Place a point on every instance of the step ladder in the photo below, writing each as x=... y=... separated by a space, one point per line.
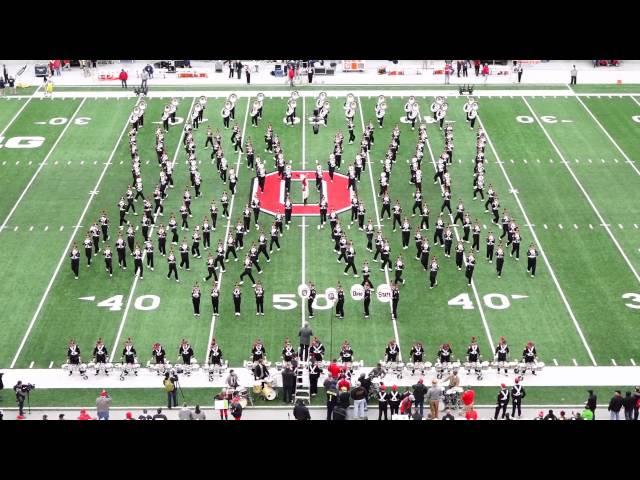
x=303 y=388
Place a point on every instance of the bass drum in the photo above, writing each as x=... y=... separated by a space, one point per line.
x=269 y=393
x=243 y=402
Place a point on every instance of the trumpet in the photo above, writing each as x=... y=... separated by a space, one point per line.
x=203 y=100
x=260 y=97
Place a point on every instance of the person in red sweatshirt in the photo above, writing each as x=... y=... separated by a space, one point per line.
x=334 y=369
x=84 y=415
x=344 y=383
x=291 y=75
x=124 y=76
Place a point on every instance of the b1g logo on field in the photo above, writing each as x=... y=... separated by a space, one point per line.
x=22 y=142
x=272 y=199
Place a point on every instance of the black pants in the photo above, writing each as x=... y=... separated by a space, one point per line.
x=236 y=304
x=394 y=308
x=184 y=261
x=516 y=250
x=88 y=252
x=340 y=308
x=313 y=383
x=206 y=239
x=573 y=80
x=215 y=303
x=396 y=218
x=172 y=268
x=303 y=352
x=122 y=258
x=260 y=304
x=75 y=266
x=20 y=407
x=385 y=208
x=476 y=242
x=172 y=399
x=212 y=273
x=310 y=307
x=196 y=305
x=382 y=410
x=350 y=264
x=195 y=249
x=500 y=406
x=331 y=404
x=531 y=265
x=274 y=240
x=469 y=274
x=445 y=204
x=247 y=271
x=499 y=264
x=489 y=252
x=432 y=278
x=367 y=302
x=517 y=403
x=150 y=260
x=137 y=266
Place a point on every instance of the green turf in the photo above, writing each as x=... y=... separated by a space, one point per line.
x=606 y=88
x=589 y=268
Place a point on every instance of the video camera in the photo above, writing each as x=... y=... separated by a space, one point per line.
x=27 y=387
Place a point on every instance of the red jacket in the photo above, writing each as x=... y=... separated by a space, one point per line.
x=468 y=396
x=471 y=415
x=485 y=70
x=123 y=75
x=334 y=370
x=291 y=73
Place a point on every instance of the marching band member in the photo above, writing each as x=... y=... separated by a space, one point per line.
x=445 y=354
x=314 y=374
x=258 y=352
x=215 y=353
x=288 y=351
x=73 y=356
x=317 y=350
x=391 y=352
x=259 y=291
x=532 y=255
x=215 y=297
x=499 y=259
x=237 y=298
x=517 y=394
x=346 y=353
x=340 y=302
x=100 y=356
x=470 y=266
x=129 y=353
x=195 y=299
x=502 y=353
x=171 y=260
x=473 y=353
x=158 y=353
x=186 y=352
x=502 y=401
x=530 y=356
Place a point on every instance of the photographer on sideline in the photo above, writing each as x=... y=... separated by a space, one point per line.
x=21 y=393
x=171 y=389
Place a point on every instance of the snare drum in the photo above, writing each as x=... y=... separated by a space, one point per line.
x=457 y=390
x=400 y=366
x=484 y=365
x=279 y=366
x=425 y=365
x=451 y=391
x=539 y=366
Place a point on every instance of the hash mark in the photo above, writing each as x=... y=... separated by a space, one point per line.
x=620 y=225
x=30 y=162
x=46 y=228
x=31 y=364
x=633 y=362
x=524 y=160
x=615 y=160
x=51 y=364
x=18 y=162
x=575 y=226
x=545 y=226
x=555 y=362
x=61 y=227
x=614 y=362
x=560 y=226
x=81 y=162
x=575 y=362
x=31 y=228
x=15 y=229
x=591 y=226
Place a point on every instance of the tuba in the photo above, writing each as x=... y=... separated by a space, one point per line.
x=233 y=98
x=350 y=98
x=142 y=105
x=474 y=106
x=256 y=107
x=137 y=111
x=445 y=106
x=441 y=113
x=260 y=97
x=167 y=108
x=326 y=106
x=473 y=113
x=197 y=107
x=380 y=110
x=381 y=99
x=203 y=100
x=292 y=103
x=322 y=96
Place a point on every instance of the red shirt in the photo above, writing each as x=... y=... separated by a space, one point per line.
x=291 y=73
x=485 y=70
x=334 y=370
x=471 y=415
x=468 y=396
x=344 y=383
x=123 y=75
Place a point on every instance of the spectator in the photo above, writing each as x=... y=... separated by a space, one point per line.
x=359 y=395
x=465 y=68
x=129 y=416
x=292 y=74
x=149 y=70
x=144 y=76
x=247 y=73
x=592 y=403
x=159 y=415
x=628 y=402
x=636 y=408
x=185 y=413
x=471 y=414
x=66 y=64
x=366 y=383
x=485 y=72
x=447 y=73
x=2 y=84
x=340 y=410
x=310 y=72
x=222 y=397
x=170 y=388
x=331 y=390
x=44 y=417
x=145 y=415
x=103 y=403
x=405 y=404
x=84 y=415
x=458 y=67
x=343 y=383
x=434 y=395
x=615 y=405
x=540 y=415
x=57 y=64
x=562 y=415
x=232 y=380
x=49 y=88
x=587 y=413
x=334 y=369
x=239 y=69
x=5 y=73
x=12 y=85
x=519 y=71
x=94 y=63
x=476 y=66
x=467 y=399
x=574 y=75
x=288 y=384
x=300 y=411
x=123 y=78
x=448 y=415
x=305 y=334
x=231 y=66
x=236 y=408
x=550 y=416
x=198 y=414
x=61 y=416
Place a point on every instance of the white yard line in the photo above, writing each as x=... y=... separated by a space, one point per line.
x=539 y=245
x=464 y=256
x=114 y=347
x=42 y=164
x=375 y=204
x=304 y=243
x=65 y=253
x=584 y=192
x=213 y=317
x=4 y=130
x=615 y=144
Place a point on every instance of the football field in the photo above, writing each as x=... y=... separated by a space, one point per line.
x=564 y=166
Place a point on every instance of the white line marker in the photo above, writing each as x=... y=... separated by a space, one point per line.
x=524 y=160
x=575 y=362
x=575 y=226
x=15 y=229
x=512 y=160
x=61 y=227
x=590 y=161
x=537 y=160
x=69 y=162
x=30 y=162
x=545 y=226
x=602 y=160
x=620 y=226
x=31 y=228
x=551 y=160
x=632 y=362
x=95 y=162
x=577 y=161
x=31 y=364
x=51 y=364
x=63 y=257
x=18 y=162
x=56 y=162
x=584 y=192
x=375 y=204
x=121 y=162
x=614 y=362
x=591 y=226
x=544 y=256
x=560 y=226
x=46 y=228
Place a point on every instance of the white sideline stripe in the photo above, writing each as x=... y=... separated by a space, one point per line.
x=233 y=197
x=53 y=147
x=136 y=277
x=609 y=136
x=544 y=256
x=66 y=250
x=584 y=192
x=555 y=362
x=304 y=246
x=575 y=362
x=29 y=98
x=375 y=204
x=464 y=255
x=614 y=362
x=632 y=362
